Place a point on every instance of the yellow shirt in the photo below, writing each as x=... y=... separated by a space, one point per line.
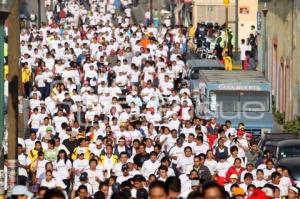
x=78 y=150
x=5 y=72
x=227 y=63
x=26 y=74
x=103 y=160
x=192 y=31
x=33 y=155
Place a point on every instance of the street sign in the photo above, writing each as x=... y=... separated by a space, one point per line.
x=259 y=22
x=226 y=2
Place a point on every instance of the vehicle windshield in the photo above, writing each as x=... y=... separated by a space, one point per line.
x=289 y=151
x=271 y=146
x=239 y=101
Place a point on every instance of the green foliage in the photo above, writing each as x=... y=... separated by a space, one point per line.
x=278 y=117
x=293 y=126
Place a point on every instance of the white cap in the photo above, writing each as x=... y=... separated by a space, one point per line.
x=295 y=189
x=21 y=190
x=268 y=191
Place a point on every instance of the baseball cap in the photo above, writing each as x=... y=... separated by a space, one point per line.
x=21 y=190
x=238 y=192
x=83 y=176
x=48 y=129
x=295 y=189
x=240 y=132
x=233 y=176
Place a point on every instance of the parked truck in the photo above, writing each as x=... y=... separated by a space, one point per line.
x=238 y=96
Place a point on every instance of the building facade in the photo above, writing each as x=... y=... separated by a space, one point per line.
x=283 y=55
x=214 y=11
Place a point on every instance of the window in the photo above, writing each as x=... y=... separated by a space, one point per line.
x=289 y=151
x=195 y=73
x=254 y=101
x=240 y=101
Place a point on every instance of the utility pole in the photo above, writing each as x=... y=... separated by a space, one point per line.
x=5 y=8
x=226 y=16
x=39 y=13
x=264 y=43
x=226 y=4
x=13 y=81
x=237 y=29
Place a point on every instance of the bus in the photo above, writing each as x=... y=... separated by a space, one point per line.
x=238 y=96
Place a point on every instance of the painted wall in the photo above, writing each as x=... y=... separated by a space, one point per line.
x=283 y=54
x=214 y=11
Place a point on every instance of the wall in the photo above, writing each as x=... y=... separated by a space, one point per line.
x=283 y=55
x=214 y=11
x=247 y=20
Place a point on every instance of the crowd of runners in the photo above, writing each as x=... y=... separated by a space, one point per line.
x=111 y=115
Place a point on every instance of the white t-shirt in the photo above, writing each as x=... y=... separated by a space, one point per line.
x=222 y=168
x=40 y=80
x=185 y=163
x=51 y=184
x=63 y=169
x=211 y=165
x=197 y=149
x=92 y=175
x=285 y=183
x=259 y=183
x=40 y=167
x=29 y=145
x=243 y=143
x=23 y=161
x=35 y=120
x=80 y=166
x=268 y=172
x=244 y=48
x=58 y=120
x=122 y=178
x=176 y=151
x=149 y=168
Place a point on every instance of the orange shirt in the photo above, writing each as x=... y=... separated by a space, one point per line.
x=144 y=42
